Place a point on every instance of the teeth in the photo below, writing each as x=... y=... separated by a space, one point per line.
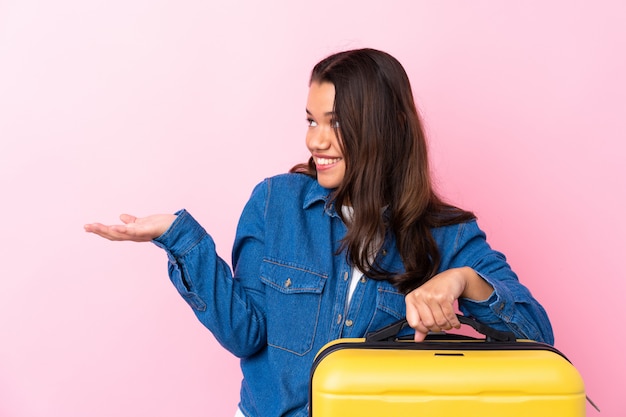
x=326 y=161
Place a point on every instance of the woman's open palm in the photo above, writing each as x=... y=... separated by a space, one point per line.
x=136 y=229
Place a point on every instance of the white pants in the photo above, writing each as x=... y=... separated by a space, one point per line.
x=239 y=413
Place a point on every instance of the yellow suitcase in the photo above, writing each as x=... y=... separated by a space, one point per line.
x=446 y=375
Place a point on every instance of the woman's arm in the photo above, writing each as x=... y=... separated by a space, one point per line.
x=230 y=307
x=484 y=285
x=206 y=282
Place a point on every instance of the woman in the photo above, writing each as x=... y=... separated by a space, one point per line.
x=345 y=244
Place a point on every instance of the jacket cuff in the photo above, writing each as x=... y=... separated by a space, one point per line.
x=182 y=236
x=500 y=304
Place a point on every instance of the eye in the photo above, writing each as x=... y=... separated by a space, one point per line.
x=311 y=122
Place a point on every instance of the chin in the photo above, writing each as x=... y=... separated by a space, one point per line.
x=328 y=184
x=330 y=179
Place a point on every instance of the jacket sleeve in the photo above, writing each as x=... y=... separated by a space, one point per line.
x=227 y=305
x=511 y=306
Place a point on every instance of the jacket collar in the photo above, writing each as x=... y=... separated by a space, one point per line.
x=318 y=194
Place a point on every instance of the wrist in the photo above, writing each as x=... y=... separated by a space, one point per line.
x=475 y=288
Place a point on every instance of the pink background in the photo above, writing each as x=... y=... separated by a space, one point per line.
x=150 y=106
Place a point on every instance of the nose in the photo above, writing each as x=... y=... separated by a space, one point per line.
x=320 y=138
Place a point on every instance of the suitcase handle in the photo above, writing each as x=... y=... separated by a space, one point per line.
x=492 y=335
x=389 y=333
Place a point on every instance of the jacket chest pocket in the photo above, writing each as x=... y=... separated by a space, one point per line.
x=390 y=307
x=293 y=298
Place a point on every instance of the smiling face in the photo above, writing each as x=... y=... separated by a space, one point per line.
x=322 y=136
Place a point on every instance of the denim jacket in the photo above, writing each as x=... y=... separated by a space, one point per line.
x=286 y=294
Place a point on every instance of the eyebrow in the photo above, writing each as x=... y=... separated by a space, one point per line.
x=328 y=113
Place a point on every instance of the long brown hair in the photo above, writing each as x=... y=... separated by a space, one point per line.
x=386 y=159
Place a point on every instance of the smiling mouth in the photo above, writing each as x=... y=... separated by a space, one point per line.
x=326 y=161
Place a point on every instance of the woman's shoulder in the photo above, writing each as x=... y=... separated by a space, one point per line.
x=456 y=230
x=288 y=183
x=290 y=180
x=286 y=187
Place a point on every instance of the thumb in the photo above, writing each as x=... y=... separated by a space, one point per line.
x=127 y=218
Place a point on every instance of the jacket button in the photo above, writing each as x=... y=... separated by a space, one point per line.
x=288 y=283
x=345 y=276
x=363 y=280
x=349 y=323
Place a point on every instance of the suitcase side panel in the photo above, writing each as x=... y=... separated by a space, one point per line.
x=354 y=380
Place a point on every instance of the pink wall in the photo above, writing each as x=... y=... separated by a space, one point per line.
x=150 y=106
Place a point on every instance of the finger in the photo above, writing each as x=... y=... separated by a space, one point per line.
x=444 y=315
x=438 y=312
x=97 y=228
x=128 y=218
x=451 y=317
x=412 y=316
x=116 y=232
x=419 y=336
x=414 y=321
x=444 y=318
x=430 y=318
x=414 y=313
x=416 y=324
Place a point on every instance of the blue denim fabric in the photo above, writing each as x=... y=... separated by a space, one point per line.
x=287 y=296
